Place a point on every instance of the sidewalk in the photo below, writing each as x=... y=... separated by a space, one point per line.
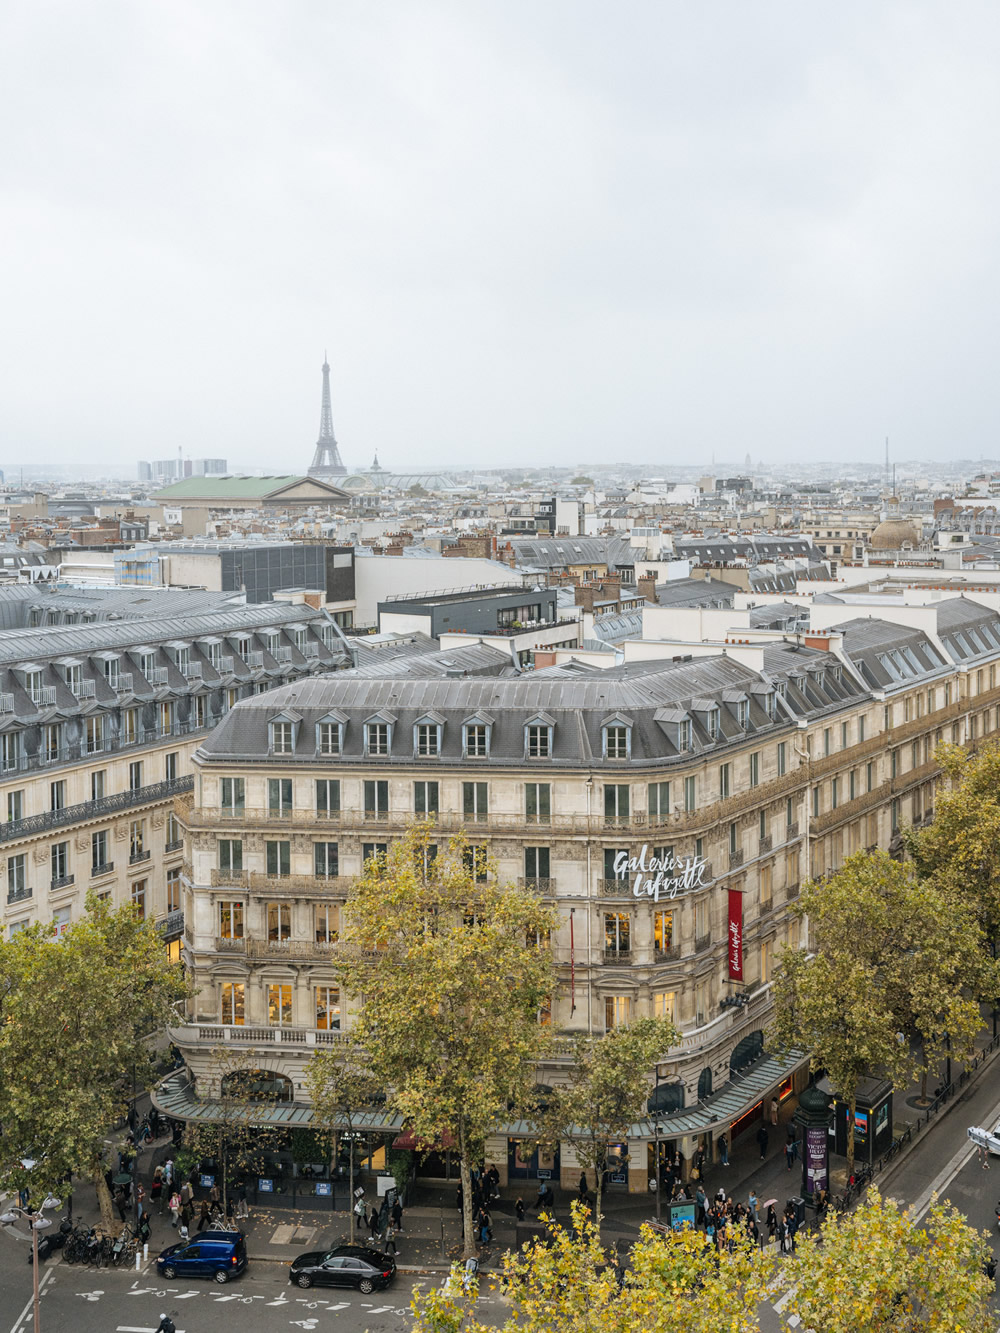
x=431 y=1238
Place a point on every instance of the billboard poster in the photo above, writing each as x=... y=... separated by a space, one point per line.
x=735 y=935
x=816 y=1158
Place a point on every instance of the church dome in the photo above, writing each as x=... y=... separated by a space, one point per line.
x=894 y=533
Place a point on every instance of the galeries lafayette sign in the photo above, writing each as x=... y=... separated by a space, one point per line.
x=659 y=877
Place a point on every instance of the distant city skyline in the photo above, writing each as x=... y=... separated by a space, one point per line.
x=526 y=234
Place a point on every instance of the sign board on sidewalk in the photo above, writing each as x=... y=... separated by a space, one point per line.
x=207 y=1181
x=324 y=1187
x=385 y=1185
x=265 y=1186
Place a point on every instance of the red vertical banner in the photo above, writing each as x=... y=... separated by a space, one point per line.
x=735 y=935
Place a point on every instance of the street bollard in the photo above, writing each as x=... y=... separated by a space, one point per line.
x=138 y=1261
x=145 y=1251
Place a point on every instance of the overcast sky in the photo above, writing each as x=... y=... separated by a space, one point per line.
x=527 y=232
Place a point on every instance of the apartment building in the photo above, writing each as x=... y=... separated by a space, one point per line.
x=98 y=721
x=668 y=809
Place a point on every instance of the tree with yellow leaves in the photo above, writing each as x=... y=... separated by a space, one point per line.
x=676 y=1282
x=892 y=955
x=879 y=1270
x=456 y=975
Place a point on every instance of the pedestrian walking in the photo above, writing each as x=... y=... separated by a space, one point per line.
x=175 y=1208
x=390 y=1242
x=373 y=1223
x=723 y=1151
x=519 y=1209
x=790 y=1154
x=242 y=1207
x=204 y=1216
x=774 y=1110
x=121 y=1203
x=397 y=1214
x=168 y=1173
x=166 y=1325
x=187 y=1214
x=762 y=1141
x=156 y=1189
x=584 y=1188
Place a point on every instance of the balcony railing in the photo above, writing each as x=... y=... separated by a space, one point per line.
x=122 y=684
x=18 y=895
x=765 y=844
x=105 y=868
x=736 y=859
x=93 y=810
x=538 y=884
x=229 y=944
x=225 y=666
x=212 y=1034
x=289 y=949
x=667 y=955
x=84 y=689
x=172 y=923
x=615 y=888
x=254 y=660
x=157 y=675
x=175 y=846
x=137 y=857
x=702 y=942
x=792 y=892
x=617 y=955
x=43 y=696
x=61 y=882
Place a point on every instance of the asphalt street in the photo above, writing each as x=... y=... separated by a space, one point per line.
x=115 y=1301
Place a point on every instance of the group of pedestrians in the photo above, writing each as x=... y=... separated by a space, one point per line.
x=723 y=1220
x=485 y=1190
x=384 y=1225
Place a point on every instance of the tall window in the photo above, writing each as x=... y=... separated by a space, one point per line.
x=17 y=883
x=782 y=759
x=278 y=856
x=137 y=840
x=130 y=725
x=663 y=931
x=477 y=745
x=59 y=855
x=617 y=1011
x=326 y=861
x=170 y=766
x=174 y=890
x=279 y=1005
x=279 y=922
x=57 y=795
x=537 y=802
x=755 y=768
x=174 y=838
x=231 y=856
x=536 y=863
x=616 y=802
x=377 y=799
x=198 y=717
x=328 y=798
x=231 y=920
x=617 y=933
x=663 y=1004
x=139 y=898
x=658 y=800
x=166 y=718
x=690 y=794
x=15 y=806
x=538 y=742
x=374 y=851
x=10 y=750
x=425 y=798
x=51 y=740
x=95 y=733
x=279 y=797
x=98 y=851
x=328 y=1008
x=725 y=784
x=233 y=1003
x=475 y=802
x=743 y=713
x=233 y=796
x=612 y=857
x=476 y=861
x=327 y=923
x=135 y=775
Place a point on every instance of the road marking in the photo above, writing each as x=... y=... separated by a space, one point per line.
x=133 y=1328
x=24 y=1313
x=948 y=1174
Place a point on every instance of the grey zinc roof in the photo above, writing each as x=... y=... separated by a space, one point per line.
x=577 y=701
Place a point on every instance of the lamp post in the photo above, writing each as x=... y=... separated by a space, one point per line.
x=37 y=1223
x=656 y=1138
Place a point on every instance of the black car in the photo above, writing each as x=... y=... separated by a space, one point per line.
x=345 y=1266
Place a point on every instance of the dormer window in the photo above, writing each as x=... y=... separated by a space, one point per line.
x=183 y=660
x=330 y=736
x=427 y=734
x=378 y=738
x=712 y=723
x=214 y=653
x=477 y=732
x=770 y=703
x=617 y=738
x=538 y=740
x=685 y=735
x=743 y=712
x=282 y=731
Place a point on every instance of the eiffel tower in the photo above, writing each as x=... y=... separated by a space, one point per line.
x=327 y=462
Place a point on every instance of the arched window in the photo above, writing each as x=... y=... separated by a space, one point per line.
x=666 y=1098
x=704 y=1084
x=257 y=1085
x=746 y=1052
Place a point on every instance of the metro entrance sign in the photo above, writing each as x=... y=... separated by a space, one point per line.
x=659 y=877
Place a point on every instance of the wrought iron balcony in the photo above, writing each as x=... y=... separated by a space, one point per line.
x=137 y=857
x=18 y=895
x=93 y=810
x=62 y=882
x=105 y=868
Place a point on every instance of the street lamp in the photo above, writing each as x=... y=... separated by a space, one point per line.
x=37 y=1223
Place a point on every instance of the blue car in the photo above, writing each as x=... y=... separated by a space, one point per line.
x=217 y=1254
